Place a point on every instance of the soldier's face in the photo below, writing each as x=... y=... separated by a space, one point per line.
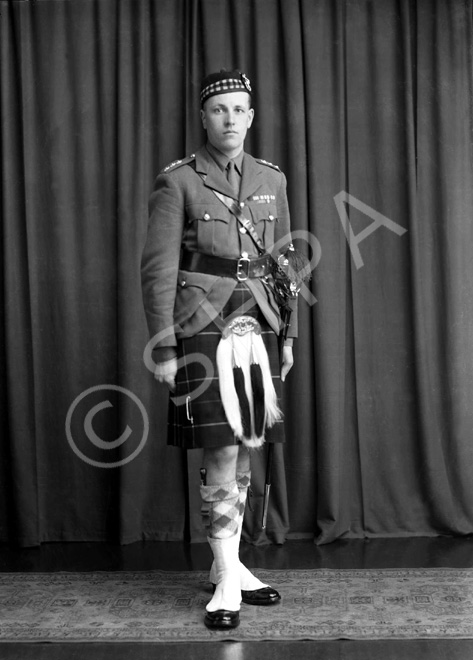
x=227 y=118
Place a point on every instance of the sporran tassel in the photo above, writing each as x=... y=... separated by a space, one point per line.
x=273 y=412
x=258 y=397
x=228 y=393
x=239 y=380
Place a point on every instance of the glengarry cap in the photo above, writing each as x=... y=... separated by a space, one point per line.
x=223 y=82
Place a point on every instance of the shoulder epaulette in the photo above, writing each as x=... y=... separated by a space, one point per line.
x=265 y=162
x=178 y=163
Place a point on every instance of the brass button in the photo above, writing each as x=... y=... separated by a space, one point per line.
x=183 y=283
x=242 y=230
x=270 y=218
x=206 y=216
x=242 y=204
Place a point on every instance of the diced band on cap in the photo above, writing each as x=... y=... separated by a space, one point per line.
x=222 y=83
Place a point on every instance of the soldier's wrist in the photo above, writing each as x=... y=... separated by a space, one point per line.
x=164 y=354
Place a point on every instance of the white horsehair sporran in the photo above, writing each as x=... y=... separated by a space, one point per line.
x=246 y=385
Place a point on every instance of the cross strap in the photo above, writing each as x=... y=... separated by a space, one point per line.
x=235 y=209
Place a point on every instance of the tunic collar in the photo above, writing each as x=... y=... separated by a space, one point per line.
x=222 y=160
x=214 y=173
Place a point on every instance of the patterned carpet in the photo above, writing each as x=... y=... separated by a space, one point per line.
x=163 y=606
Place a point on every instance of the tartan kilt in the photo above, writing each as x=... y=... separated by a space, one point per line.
x=196 y=416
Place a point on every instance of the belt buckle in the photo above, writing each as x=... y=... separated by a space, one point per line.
x=243 y=267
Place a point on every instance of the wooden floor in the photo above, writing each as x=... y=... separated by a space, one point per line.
x=377 y=553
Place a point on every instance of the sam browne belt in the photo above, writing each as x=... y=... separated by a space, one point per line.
x=240 y=269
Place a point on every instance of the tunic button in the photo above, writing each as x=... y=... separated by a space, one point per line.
x=271 y=218
x=242 y=230
x=206 y=216
x=183 y=283
x=242 y=204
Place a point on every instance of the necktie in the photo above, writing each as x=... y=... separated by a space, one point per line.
x=233 y=178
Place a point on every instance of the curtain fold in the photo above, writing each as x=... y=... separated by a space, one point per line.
x=367 y=107
x=442 y=275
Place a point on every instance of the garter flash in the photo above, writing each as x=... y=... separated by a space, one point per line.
x=246 y=386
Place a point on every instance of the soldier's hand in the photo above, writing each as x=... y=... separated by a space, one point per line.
x=287 y=362
x=165 y=372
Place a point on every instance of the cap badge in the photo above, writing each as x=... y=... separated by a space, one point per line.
x=246 y=82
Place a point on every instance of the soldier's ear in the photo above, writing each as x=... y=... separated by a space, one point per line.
x=202 y=116
x=251 y=114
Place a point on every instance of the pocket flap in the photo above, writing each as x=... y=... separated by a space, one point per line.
x=262 y=212
x=189 y=280
x=192 y=290
x=207 y=212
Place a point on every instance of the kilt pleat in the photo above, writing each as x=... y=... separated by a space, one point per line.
x=196 y=415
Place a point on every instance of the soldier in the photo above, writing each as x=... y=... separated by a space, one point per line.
x=218 y=221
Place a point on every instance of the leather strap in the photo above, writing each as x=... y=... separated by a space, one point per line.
x=235 y=209
x=240 y=269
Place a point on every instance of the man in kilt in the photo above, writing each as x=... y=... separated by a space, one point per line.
x=219 y=221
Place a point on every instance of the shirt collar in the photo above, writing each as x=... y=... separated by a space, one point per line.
x=222 y=160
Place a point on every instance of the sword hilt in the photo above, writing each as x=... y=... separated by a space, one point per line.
x=267 y=488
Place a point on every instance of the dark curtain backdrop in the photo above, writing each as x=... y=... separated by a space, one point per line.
x=367 y=107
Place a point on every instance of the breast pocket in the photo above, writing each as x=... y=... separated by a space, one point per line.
x=264 y=217
x=208 y=225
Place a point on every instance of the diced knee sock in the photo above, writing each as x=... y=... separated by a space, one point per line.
x=223 y=502
x=243 y=480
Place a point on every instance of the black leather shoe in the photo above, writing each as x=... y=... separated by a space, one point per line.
x=264 y=596
x=222 y=619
